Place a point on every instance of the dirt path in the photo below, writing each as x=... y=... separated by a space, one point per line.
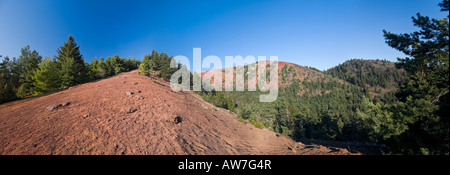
x=132 y=114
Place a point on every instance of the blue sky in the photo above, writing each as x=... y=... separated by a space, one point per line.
x=321 y=34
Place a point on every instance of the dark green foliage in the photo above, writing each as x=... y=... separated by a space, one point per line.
x=114 y=65
x=145 y=66
x=17 y=74
x=101 y=69
x=47 y=77
x=27 y=63
x=94 y=69
x=73 y=67
x=7 y=92
x=154 y=62
x=368 y=72
x=377 y=77
x=379 y=121
x=423 y=101
x=159 y=64
x=220 y=99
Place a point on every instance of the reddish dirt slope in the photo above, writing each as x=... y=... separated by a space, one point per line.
x=102 y=118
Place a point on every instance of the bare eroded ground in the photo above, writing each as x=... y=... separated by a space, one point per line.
x=103 y=118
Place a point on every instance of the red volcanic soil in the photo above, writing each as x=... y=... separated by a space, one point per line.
x=134 y=114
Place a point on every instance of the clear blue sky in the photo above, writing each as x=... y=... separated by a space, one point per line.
x=321 y=34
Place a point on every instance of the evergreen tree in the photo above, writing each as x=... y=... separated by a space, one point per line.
x=145 y=65
x=93 y=69
x=46 y=77
x=424 y=99
x=27 y=63
x=154 y=63
x=159 y=64
x=73 y=68
x=101 y=69
x=7 y=92
x=117 y=65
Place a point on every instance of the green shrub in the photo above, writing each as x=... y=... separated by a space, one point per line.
x=240 y=119
x=257 y=124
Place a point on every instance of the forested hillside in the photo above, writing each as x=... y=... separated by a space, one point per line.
x=355 y=101
x=379 y=77
x=403 y=105
x=310 y=104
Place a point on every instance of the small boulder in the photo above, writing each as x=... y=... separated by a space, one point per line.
x=140 y=97
x=66 y=104
x=53 y=107
x=86 y=116
x=131 y=111
x=129 y=93
x=135 y=83
x=177 y=119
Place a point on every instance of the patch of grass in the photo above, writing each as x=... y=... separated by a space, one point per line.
x=240 y=119
x=257 y=124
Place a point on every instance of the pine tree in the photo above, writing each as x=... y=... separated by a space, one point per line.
x=117 y=65
x=73 y=68
x=101 y=69
x=154 y=63
x=93 y=69
x=27 y=63
x=145 y=65
x=6 y=85
x=424 y=99
x=46 y=77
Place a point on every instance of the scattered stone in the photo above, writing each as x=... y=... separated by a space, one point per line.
x=86 y=116
x=177 y=120
x=292 y=149
x=140 y=97
x=123 y=81
x=53 y=107
x=131 y=111
x=129 y=93
x=66 y=104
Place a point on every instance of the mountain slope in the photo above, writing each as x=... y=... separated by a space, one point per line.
x=378 y=76
x=134 y=114
x=310 y=104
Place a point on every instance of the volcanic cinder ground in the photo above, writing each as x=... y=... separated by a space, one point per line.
x=134 y=114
